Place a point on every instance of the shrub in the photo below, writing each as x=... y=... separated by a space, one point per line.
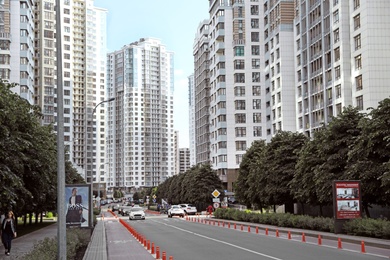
x=46 y=249
x=378 y=228
x=49 y=214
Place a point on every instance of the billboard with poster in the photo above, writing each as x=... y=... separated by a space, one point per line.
x=77 y=204
x=347 y=199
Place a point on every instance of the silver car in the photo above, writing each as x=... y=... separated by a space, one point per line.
x=176 y=210
x=136 y=213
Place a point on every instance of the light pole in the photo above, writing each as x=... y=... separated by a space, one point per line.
x=91 y=157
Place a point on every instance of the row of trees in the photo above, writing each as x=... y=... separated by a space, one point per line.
x=28 y=157
x=194 y=186
x=292 y=168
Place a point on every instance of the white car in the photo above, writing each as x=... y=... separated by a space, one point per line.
x=188 y=209
x=136 y=213
x=176 y=210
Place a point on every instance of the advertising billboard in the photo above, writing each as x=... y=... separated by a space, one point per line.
x=78 y=204
x=347 y=199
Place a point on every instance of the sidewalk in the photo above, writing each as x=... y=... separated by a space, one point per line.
x=111 y=240
x=24 y=244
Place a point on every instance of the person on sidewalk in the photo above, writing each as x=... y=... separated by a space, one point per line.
x=8 y=231
x=210 y=210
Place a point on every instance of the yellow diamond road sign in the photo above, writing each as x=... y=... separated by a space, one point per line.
x=215 y=193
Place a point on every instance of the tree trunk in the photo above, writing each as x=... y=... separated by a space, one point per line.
x=321 y=213
x=41 y=218
x=30 y=218
x=24 y=220
x=365 y=207
x=303 y=208
x=36 y=218
x=274 y=208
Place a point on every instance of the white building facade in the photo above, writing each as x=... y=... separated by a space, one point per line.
x=191 y=118
x=83 y=30
x=342 y=58
x=17 y=46
x=140 y=132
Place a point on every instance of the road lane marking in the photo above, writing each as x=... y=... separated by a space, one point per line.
x=220 y=241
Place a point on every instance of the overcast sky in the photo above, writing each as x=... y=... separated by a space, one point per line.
x=174 y=22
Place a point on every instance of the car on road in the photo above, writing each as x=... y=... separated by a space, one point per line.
x=136 y=213
x=176 y=210
x=189 y=209
x=124 y=210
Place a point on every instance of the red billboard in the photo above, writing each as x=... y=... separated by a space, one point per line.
x=347 y=199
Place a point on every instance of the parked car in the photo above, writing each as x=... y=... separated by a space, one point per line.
x=136 y=213
x=176 y=210
x=124 y=210
x=189 y=209
x=115 y=207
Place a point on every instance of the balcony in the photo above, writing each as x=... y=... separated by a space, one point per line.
x=220 y=34
x=220 y=47
x=238 y=42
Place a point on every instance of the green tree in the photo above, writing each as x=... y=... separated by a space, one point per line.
x=369 y=157
x=334 y=145
x=248 y=184
x=256 y=178
x=303 y=183
x=281 y=157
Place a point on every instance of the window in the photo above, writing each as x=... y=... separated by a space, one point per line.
x=337 y=54
x=336 y=16
x=256 y=90
x=239 y=64
x=338 y=91
x=67 y=47
x=66 y=11
x=255 y=37
x=356 y=4
x=359 y=82
x=240 y=145
x=239 y=51
x=254 y=9
x=359 y=102
x=254 y=23
x=239 y=77
x=337 y=73
x=256 y=103
x=256 y=117
x=240 y=131
x=255 y=76
x=336 y=35
x=358 y=43
x=255 y=49
x=239 y=158
x=240 y=118
x=356 y=22
x=239 y=104
x=66 y=56
x=358 y=62
x=257 y=131
x=335 y=2
x=66 y=20
x=239 y=91
x=255 y=63
x=67 y=74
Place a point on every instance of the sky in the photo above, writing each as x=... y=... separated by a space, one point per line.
x=175 y=23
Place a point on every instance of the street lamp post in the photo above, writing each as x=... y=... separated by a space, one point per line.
x=91 y=155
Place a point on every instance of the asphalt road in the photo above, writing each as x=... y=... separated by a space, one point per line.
x=186 y=240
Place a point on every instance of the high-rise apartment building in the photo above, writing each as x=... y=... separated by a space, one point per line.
x=237 y=83
x=140 y=136
x=191 y=118
x=17 y=46
x=288 y=65
x=184 y=160
x=83 y=30
x=202 y=94
x=342 y=58
x=279 y=81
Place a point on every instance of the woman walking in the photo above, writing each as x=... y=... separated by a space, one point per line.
x=8 y=231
